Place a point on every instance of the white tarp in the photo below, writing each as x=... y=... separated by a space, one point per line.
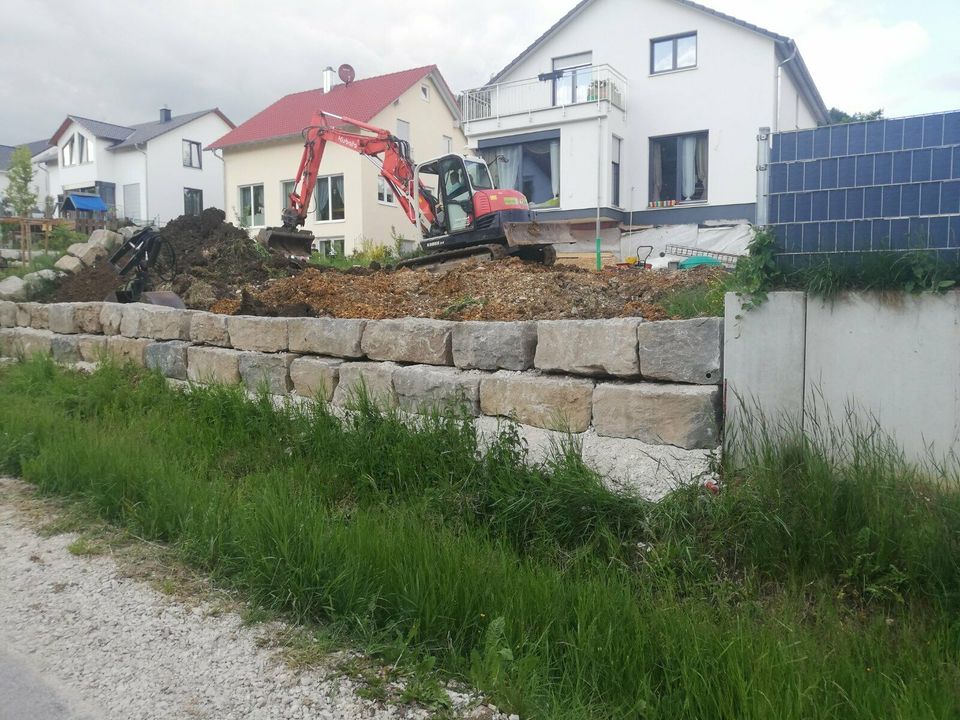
x=729 y=238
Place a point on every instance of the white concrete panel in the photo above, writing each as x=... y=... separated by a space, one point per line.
x=893 y=358
x=763 y=356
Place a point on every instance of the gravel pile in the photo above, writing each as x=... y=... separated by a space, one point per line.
x=136 y=654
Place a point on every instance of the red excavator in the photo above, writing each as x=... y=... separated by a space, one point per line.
x=450 y=199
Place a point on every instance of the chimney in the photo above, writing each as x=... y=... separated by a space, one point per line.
x=165 y=114
x=327 y=79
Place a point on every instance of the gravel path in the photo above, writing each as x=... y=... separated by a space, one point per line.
x=133 y=653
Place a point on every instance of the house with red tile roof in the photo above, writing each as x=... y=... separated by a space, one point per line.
x=352 y=204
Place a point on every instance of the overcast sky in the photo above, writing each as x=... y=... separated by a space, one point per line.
x=121 y=61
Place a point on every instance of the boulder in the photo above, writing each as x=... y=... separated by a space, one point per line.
x=410 y=340
x=554 y=403
x=62 y=318
x=69 y=264
x=494 y=345
x=126 y=349
x=87 y=316
x=106 y=238
x=327 y=336
x=213 y=365
x=29 y=341
x=8 y=313
x=91 y=347
x=155 y=321
x=8 y=342
x=209 y=329
x=315 y=377
x=683 y=415
x=13 y=288
x=686 y=351
x=111 y=315
x=262 y=334
x=270 y=370
x=588 y=347
x=34 y=315
x=35 y=281
x=170 y=358
x=423 y=388
x=375 y=377
x=65 y=349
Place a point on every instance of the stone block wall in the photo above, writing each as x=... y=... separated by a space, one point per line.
x=642 y=399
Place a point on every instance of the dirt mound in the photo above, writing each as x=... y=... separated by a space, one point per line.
x=213 y=259
x=505 y=290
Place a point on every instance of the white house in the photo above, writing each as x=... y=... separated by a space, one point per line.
x=40 y=153
x=646 y=109
x=150 y=172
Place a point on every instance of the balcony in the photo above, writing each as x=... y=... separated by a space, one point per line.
x=593 y=88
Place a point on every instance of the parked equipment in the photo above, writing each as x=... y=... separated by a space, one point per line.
x=450 y=199
x=143 y=252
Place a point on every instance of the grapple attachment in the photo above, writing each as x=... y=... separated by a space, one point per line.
x=292 y=243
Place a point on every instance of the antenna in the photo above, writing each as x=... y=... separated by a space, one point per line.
x=346 y=73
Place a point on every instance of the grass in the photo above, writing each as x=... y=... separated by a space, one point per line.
x=823 y=581
x=38 y=262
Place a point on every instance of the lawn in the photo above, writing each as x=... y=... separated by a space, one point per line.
x=822 y=581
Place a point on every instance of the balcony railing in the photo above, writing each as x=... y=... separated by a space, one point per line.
x=572 y=86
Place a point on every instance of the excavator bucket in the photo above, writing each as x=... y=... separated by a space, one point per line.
x=537 y=233
x=293 y=243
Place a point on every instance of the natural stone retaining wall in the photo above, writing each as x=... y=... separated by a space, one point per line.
x=641 y=398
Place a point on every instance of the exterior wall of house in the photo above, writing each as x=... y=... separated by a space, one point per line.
x=730 y=94
x=73 y=177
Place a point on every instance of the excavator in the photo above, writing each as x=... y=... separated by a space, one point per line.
x=451 y=200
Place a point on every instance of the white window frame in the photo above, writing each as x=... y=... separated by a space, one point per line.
x=424 y=92
x=253 y=214
x=447 y=142
x=284 y=196
x=385 y=194
x=78 y=148
x=189 y=145
x=316 y=190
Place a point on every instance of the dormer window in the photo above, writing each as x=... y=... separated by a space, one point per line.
x=425 y=93
x=677 y=52
x=74 y=151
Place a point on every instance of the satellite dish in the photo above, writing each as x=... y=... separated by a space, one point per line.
x=346 y=73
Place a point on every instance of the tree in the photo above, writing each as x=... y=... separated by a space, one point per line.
x=839 y=116
x=19 y=193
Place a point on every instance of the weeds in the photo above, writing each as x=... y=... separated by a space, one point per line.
x=823 y=581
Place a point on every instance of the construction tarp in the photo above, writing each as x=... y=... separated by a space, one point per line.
x=77 y=201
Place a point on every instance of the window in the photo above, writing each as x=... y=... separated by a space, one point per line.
x=384 y=191
x=329 y=198
x=403 y=130
x=571 y=78
x=531 y=167
x=75 y=151
x=192 y=201
x=329 y=247
x=446 y=145
x=191 y=154
x=673 y=53
x=615 y=171
x=678 y=168
x=251 y=205
x=425 y=93
x=286 y=187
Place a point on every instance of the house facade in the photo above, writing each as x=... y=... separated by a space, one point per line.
x=39 y=153
x=352 y=205
x=646 y=109
x=150 y=173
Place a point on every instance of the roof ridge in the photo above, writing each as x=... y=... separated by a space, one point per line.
x=359 y=80
x=103 y=122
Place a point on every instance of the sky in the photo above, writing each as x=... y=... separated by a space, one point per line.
x=120 y=61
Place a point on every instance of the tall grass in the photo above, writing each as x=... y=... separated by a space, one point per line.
x=814 y=585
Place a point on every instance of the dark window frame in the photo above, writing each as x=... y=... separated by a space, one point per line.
x=188 y=190
x=677 y=137
x=615 y=171
x=673 y=40
x=191 y=143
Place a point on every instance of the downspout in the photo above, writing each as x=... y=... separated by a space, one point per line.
x=779 y=83
x=599 y=184
x=146 y=180
x=223 y=172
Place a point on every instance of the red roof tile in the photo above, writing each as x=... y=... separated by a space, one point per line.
x=361 y=100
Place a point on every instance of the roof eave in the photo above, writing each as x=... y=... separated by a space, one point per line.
x=800 y=74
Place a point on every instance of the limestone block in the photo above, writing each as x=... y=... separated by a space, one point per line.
x=91 y=347
x=32 y=314
x=8 y=342
x=588 y=347
x=30 y=341
x=494 y=345
x=8 y=313
x=209 y=329
x=686 y=351
x=155 y=321
x=313 y=377
x=65 y=348
x=125 y=349
x=62 y=318
x=13 y=288
x=126 y=232
x=36 y=280
x=87 y=316
x=554 y=403
x=422 y=388
x=111 y=315
x=411 y=340
x=170 y=358
x=106 y=238
x=213 y=365
x=327 y=336
x=682 y=415
x=88 y=253
x=69 y=264
x=375 y=377
x=270 y=369
x=263 y=334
